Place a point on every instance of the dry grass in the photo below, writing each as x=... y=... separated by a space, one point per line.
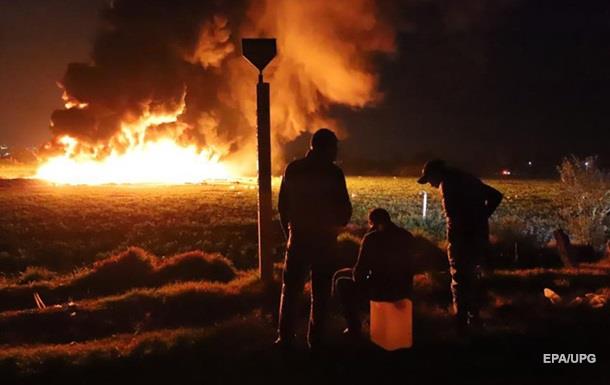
x=134 y=318
x=60 y=227
x=565 y=280
x=81 y=361
x=174 y=305
x=35 y=274
x=193 y=266
x=130 y=269
x=190 y=330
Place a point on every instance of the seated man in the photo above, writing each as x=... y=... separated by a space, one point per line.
x=382 y=273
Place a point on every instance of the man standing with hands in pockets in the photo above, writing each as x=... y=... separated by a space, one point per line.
x=314 y=205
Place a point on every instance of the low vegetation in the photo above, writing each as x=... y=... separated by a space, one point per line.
x=134 y=311
x=212 y=332
x=61 y=228
x=133 y=268
x=127 y=297
x=586 y=201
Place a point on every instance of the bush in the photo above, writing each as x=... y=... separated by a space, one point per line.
x=131 y=268
x=137 y=268
x=427 y=256
x=514 y=242
x=585 y=200
x=195 y=266
x=348 y=246
x=35 y=274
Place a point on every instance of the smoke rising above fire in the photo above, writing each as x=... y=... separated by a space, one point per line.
x=172 y=71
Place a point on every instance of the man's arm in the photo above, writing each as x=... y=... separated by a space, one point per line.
x=493 y=198
x=363 y=265
x=283 y=204
x=408 y=252
x=344 y=203
x=450 y=199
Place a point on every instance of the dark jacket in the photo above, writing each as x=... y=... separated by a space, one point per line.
x=313 y=197
x=384 y=264
x=468 y=203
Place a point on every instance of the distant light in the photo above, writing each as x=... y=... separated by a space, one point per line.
x=506 y=172
x=529 y=163
x=586 y=164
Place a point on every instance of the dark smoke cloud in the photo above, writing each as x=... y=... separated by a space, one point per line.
x=140 y=63
x=160 y=57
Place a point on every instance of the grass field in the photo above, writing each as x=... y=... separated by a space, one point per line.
x=63 y=227
x=129 y=300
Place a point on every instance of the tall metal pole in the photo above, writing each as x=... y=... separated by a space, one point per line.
x=260 y=52
x=265 y=262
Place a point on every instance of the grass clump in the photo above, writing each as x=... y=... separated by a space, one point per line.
x=132 y=268
x=168 y=306
x=35 y=274
x=427 y=255
x=348 y=246
x=193 y=266
x=138 y=268
x=585 y=201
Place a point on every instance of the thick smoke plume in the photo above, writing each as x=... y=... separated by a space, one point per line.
x=173 y=68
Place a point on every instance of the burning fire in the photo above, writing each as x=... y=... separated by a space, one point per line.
x=163 y=161
x=160 y=161
x=166 y=97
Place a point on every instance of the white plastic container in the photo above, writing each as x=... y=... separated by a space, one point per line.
x=392 y=324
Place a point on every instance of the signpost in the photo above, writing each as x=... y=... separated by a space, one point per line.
x=260 y=52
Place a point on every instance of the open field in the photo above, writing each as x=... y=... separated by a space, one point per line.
x=220 y=333
x=64 y=227
x=13 y=170
x=129 y=300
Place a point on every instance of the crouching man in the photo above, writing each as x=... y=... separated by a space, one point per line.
x=383 y=271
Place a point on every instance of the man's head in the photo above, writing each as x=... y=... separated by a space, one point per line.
x=324 y=142
x=433 y=172
x=379 y=219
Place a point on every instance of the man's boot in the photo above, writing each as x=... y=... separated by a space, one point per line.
x=353 y=333
x=461 y=324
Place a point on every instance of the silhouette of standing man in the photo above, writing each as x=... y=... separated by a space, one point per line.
x=314 y=205
x=468 y=203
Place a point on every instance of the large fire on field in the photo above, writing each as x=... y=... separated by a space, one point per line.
x=167 y=97
x=160 y=161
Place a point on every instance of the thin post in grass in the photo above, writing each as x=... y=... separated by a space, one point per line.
x=424 y=210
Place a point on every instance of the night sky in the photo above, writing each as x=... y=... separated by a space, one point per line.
x=38 y=38
x=485 y=84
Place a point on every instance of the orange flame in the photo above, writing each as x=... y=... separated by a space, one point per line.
x=324 y=58
x=159 y=161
